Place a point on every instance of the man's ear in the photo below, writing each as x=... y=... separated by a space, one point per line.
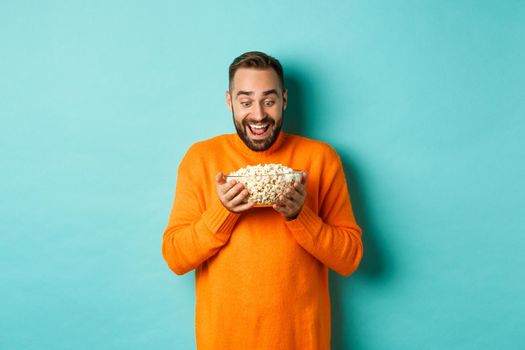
x=229 y=100
x=285 y=98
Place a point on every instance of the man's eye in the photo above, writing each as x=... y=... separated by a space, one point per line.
x=246 y=104
x=269 y=103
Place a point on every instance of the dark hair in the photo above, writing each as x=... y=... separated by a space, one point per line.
x=256 y=60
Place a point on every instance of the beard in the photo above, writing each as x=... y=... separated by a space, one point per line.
x=259 y=145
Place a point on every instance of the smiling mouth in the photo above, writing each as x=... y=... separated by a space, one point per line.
x=258 y=131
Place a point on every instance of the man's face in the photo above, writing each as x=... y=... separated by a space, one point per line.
x=257 y=103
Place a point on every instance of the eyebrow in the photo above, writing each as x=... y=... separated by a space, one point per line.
x=250 y=93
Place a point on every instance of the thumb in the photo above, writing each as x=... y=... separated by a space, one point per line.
x=219 y=178
x=304 y=177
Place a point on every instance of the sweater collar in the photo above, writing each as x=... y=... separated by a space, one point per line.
x=241 y=146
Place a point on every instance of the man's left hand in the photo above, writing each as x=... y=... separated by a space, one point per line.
x=291 y=202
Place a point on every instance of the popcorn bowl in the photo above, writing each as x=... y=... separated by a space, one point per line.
x=264 y=190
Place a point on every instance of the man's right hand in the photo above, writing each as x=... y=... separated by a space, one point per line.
x=232 y=194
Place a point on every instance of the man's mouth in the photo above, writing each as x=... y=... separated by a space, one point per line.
x=258 y=131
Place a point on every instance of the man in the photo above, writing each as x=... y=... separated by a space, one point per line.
x=261 y=274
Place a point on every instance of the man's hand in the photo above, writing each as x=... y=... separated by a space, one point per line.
x=232 y=195
x=291 y=202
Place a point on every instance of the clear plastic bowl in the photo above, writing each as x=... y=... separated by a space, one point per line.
x=265 y=190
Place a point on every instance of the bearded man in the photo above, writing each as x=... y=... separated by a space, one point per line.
x=261 y=274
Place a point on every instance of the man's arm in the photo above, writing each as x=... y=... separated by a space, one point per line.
x=194 y=234
x=333 y=236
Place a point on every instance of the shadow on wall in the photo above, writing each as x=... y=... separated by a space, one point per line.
x=374 y=268
x=295 y=117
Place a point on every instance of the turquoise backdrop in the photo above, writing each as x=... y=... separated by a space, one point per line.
x=423 y=100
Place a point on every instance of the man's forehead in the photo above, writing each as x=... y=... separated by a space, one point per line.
x=256 y=80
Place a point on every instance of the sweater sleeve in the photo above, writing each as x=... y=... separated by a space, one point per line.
x=332 y=236
x=194 y=233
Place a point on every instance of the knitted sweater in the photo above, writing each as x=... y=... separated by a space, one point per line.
x=261 y=281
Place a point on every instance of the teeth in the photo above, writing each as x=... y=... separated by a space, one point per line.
x=258 y=126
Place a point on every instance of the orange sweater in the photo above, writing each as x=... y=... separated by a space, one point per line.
x=261 y=281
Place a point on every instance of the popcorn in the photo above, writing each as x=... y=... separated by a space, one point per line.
x=265 y=183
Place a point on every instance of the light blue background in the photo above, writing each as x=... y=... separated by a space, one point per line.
x=423 y=100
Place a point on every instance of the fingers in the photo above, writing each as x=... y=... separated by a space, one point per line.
x=292 y=200
x=224 y=186
x=287 y=208
x=292 y=194
x=301 y=186
x=244 y=206
x=238 y=198
x=296 y=191
x=238 y=203
x=233 y=191
x=279 y=208
x=220 y=179
x=232 y=194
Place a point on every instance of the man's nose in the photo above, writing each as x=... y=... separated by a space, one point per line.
x=259 y=113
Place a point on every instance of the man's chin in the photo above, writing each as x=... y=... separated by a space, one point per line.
x=259 y=145
x=256 y=145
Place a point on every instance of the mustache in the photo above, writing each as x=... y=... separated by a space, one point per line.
x=266 y=120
